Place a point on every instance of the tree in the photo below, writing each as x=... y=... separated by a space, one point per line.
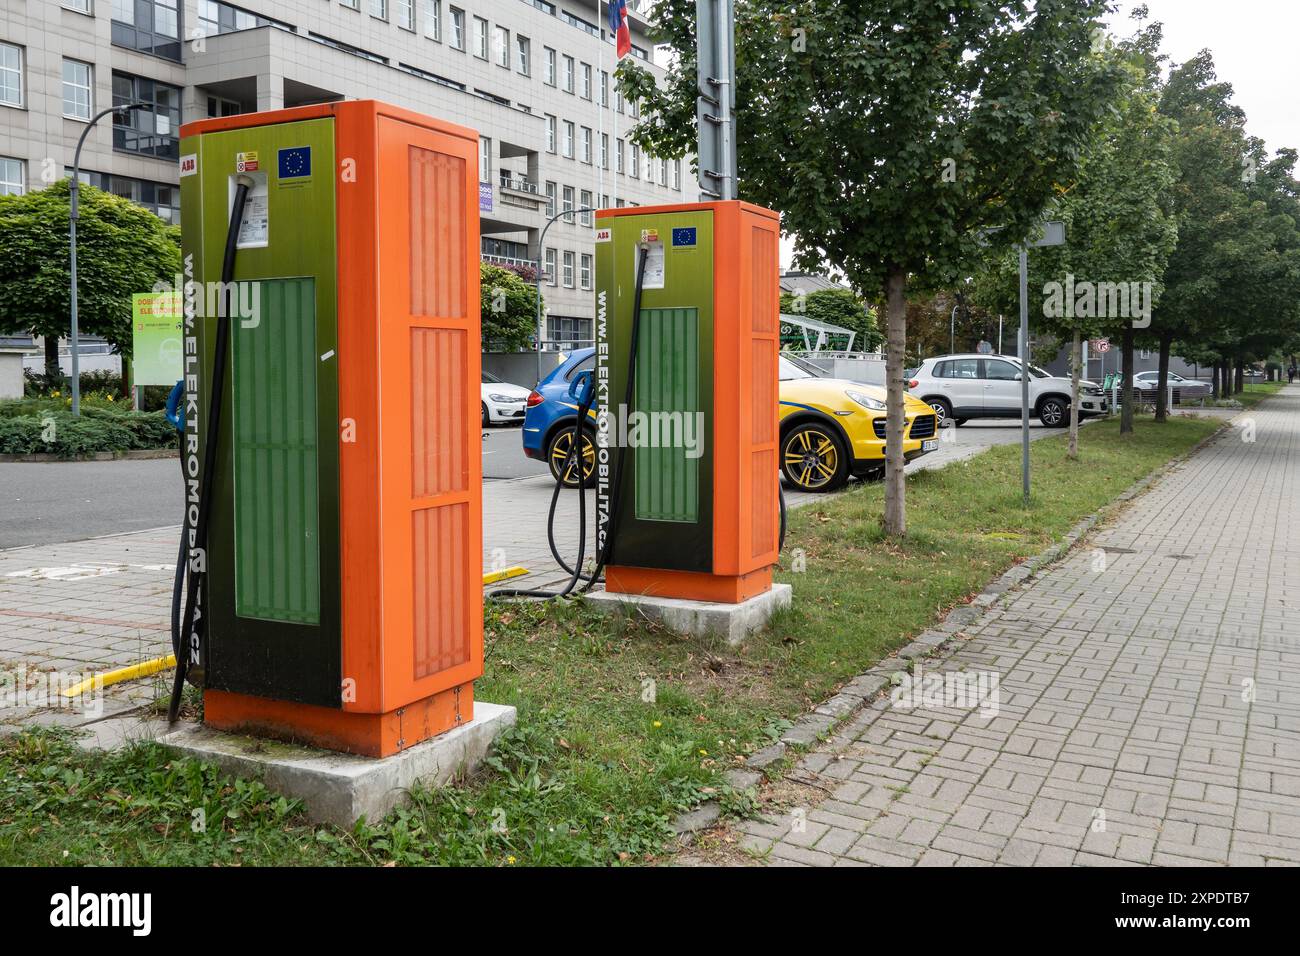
x=1118 y=226
x=837 y=307
x=122 y=248
x=509 y=309
x=892 y=134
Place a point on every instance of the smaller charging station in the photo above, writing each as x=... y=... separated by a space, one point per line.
x=687 y=304
x=333 y=471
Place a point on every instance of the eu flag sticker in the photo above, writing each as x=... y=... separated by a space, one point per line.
x=684 y=236
x=295 y=163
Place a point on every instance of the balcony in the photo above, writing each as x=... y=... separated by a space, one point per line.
x=514 y=182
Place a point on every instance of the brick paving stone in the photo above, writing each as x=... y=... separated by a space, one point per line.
x=1148 y=713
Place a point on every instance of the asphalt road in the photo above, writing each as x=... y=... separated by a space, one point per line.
x=49 y=502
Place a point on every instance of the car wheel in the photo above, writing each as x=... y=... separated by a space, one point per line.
x=943 y=412
x=557 y=456
x=486 y=421
x=1054 y=413
x=813 y=458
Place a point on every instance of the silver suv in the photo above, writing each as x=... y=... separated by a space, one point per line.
x=962 y=387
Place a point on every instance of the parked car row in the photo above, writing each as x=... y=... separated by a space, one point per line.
x=962 y=387
x=829 y=428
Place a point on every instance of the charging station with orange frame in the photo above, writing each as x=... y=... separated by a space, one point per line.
x=342 y=595
x=695 y=519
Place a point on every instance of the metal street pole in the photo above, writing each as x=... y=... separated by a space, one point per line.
x=541 y=265
x=74 y=190
x=1024 y=369
x=952 y=330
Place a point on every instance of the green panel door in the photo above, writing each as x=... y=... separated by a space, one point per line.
x=274 y=437
x=667 y=400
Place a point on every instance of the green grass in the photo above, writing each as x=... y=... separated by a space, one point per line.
x=621 y=725
x=1256 y=392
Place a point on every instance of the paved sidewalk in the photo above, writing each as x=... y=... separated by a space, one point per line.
x=1148 y=704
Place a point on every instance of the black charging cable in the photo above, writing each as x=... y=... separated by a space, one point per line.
x=188 y=630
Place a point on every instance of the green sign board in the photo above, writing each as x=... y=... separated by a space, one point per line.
x=156 y=341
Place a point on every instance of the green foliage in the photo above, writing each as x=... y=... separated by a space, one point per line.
x=509 y=309
x=45 y=425
x=838 y=307
x=122 y=248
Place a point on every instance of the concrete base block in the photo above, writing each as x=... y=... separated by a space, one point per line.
x=339 y=788
x=734 y=622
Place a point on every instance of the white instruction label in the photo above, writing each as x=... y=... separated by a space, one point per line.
x=653 y=277
x=255 y=229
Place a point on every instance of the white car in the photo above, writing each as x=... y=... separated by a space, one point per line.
x=962 y=387
x=1184 y=388
x=502 y=402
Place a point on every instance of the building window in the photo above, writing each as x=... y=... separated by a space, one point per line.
x=218 y=106
x=484 y=159
x=586 y=81
x=636 y=162
x=81 y=6
x=663 y=172
x=78 y=102
x=586 y=201
x=604 y=88
x=604 y=151
x=11 y=74
x=548 y=68
x=586 y=145
x=604 y=200
x=524 y=55
x=550 y=133
x=406 y=14
x=480 y=38
x=568 y=270
x=161 y=199
x=677 y=175
x=151 y=130
x=433 y=19
x=150 y=26
x=568 y=74
x=351 y=4
x=618 y=155
x=584 y=271
x=568 y=140
x=216 y=17
x=379 y=9
x=458 y=29
x=550 y=200
x=568 y=202
x=618 y=101
x=13 y=179
x=548 y=266
x=501 y=46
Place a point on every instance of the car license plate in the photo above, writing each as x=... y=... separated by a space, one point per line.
x=929 y=445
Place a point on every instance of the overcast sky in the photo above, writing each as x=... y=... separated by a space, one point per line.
x=1254 y=46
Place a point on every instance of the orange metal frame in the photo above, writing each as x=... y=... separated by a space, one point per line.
x=746 y=331
x=410 y=545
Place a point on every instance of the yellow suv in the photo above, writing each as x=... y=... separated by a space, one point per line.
x=832 y=428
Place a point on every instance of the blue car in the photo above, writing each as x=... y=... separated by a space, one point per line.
x=548 y=421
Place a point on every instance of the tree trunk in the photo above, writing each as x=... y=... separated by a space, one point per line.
x=1076 y=360
x=896 y=324
x=1239 y=380
x=1126 y=382
x=1214 y=381
x=52 y=369
x=1162 y=379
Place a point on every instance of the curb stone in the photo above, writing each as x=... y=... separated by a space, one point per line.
x=130 y=454
x=862 y=690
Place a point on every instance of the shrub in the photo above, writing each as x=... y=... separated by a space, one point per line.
x=103 y=426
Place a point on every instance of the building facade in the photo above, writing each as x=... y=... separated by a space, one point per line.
x=533 y=77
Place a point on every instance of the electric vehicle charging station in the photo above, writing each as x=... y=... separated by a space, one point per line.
x=687 y=302
x=334 y=498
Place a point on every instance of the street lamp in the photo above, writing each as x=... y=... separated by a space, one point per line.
x=73 y=190
x=541 y=264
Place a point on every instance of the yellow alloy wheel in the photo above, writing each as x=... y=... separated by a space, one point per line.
x=559 y=458
x=812 y=460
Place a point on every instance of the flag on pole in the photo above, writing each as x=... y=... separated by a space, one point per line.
x=618 y=26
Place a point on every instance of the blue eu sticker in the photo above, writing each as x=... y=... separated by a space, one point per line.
x=295 y=163
x=684 y=236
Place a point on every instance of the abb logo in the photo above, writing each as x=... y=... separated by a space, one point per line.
x=189 y=164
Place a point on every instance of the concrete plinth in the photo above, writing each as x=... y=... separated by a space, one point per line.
x=339 y=788
x=734 y=622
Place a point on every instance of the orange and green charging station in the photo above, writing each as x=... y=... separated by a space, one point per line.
x=698 y=523
x=340 y=598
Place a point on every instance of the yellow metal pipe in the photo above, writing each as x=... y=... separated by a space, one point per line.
x=130 y=672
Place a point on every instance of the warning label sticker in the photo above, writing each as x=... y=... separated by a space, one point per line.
x=246 y=162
